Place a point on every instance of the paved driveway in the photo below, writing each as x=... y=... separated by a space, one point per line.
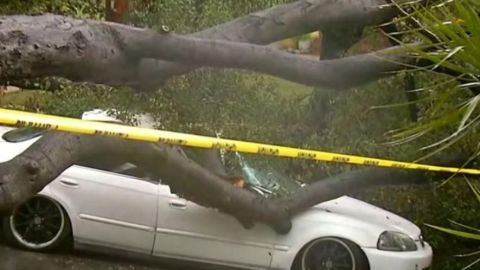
x=15 y=259
x=12 y=259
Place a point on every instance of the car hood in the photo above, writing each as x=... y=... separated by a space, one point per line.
x=363 y=211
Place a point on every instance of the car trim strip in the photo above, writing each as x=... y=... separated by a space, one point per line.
x=221 y=239
x=117 y=223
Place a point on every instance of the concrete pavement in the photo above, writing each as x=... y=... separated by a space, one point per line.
x=13 y=259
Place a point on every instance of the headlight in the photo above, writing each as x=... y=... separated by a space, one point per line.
x=396 y=241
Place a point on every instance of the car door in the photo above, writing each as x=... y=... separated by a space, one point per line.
x=190 y=231
x=110 y=209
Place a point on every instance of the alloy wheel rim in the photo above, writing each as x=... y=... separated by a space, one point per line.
x=328 y=254
x=38 y=223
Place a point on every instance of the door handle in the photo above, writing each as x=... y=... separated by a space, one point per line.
x=69 y=182
x=178 y=203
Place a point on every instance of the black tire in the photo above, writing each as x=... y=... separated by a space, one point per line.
x=40 y=224
x=331 y=253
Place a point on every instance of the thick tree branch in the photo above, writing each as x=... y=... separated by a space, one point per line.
x=277 y=23
x=224 y=54
x=211 y=160
x=263 y=27
x=354 y=181
x=52 y=45
x=28 y=173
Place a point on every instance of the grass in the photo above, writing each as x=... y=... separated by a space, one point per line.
x=288 y=89
x=22 y=98
x=284 y=89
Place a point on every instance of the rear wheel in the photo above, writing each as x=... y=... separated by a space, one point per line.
x=39 y=224
x=331 y=254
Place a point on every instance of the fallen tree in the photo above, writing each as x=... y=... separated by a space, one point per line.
x=29 y=172
x=37 y=46
x=83 y=50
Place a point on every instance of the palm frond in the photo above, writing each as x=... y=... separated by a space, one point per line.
x=474 y=187
x=462 y=234
x=448 y=33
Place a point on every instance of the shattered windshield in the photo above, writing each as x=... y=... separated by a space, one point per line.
x=267 y=177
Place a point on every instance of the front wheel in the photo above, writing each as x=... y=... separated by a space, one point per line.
x=331 y=254
x=39 y=224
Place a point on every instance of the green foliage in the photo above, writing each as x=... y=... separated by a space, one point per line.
x=186 y=16
x=85 y=9
x=449 y=33
x=467 y=235
x=358 y=121
x=437 y=205
x=27 y=101
x=466 y=232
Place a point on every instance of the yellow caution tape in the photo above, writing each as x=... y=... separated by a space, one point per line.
x=19 y=118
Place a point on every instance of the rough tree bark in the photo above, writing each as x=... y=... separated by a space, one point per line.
x=83 y=50
x=263 y=28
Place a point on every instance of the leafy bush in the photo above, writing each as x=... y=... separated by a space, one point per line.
x=91 y=9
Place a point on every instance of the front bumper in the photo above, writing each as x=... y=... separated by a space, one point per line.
x=414 y=260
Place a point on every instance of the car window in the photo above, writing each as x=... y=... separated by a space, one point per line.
x=130 y=170
x=124 y=168
x=22 y=134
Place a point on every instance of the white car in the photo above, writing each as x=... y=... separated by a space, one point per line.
x=116 y=207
